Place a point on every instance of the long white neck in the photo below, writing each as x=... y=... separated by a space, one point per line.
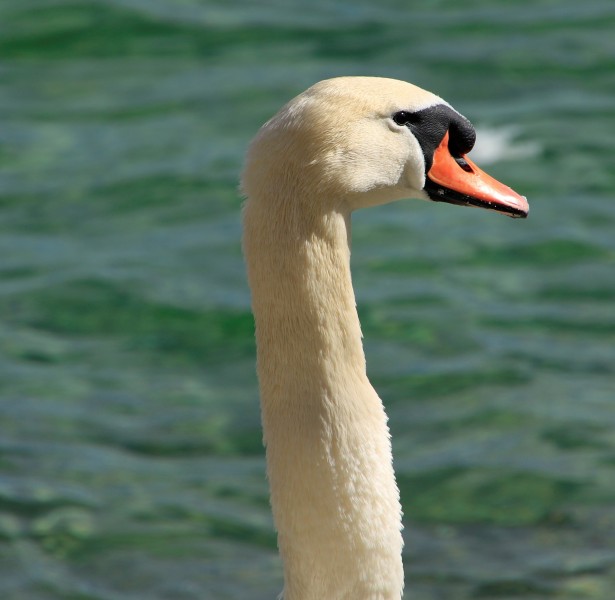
x=333 y=493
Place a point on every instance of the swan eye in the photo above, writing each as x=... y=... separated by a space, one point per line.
x=403 y=117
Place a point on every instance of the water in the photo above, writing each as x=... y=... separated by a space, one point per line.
x=130 y=458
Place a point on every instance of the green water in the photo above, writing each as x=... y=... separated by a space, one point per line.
x=131 y=466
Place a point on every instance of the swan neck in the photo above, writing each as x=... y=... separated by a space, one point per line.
x=333 y=493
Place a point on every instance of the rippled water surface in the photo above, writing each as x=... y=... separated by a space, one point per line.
x=131 y=465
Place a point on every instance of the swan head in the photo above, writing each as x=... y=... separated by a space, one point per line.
x=362 y=141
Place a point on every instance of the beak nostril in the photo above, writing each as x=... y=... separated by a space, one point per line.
x=463 y=164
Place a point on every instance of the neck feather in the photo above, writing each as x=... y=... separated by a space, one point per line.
x=333 y=493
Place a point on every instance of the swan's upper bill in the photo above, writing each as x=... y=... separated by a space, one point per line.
x=368 y=140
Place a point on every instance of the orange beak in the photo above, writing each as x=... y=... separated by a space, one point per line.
x=460 y=181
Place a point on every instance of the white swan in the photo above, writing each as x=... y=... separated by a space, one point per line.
x=343 y=144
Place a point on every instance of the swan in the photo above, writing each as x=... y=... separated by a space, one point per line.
x=343 y=144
